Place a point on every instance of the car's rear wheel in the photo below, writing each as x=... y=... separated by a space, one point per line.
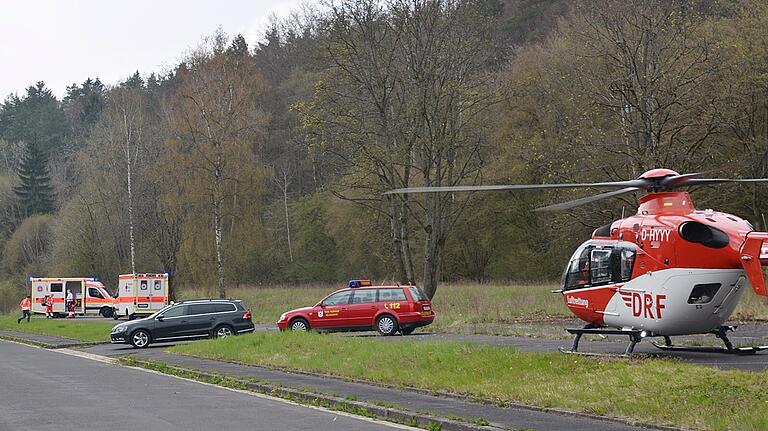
x=299 y=324
x=140 y=339
x=386 y=325
x=223 y=331
x=106 y=311
x=408 y=331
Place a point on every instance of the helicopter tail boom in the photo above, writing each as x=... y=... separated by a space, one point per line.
x=753 y=257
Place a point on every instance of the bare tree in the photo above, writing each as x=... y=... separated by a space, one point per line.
x=648 y=64
x=402 y=103
x=284 y=181
x=216 y=121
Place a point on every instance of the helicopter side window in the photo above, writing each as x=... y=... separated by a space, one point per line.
x=627 y=263
x=600 y=266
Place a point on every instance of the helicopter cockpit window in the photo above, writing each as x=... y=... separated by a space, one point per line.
x=595 y=264
x=577 y=273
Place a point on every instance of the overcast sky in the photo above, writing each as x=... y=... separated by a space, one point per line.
x=63 y=42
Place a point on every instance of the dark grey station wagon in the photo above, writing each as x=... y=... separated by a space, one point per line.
x=186 y=320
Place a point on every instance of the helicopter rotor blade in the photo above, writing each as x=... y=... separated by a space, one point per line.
x=585 y=200
x=678 y=180
x=638 y=183
x=707 y=181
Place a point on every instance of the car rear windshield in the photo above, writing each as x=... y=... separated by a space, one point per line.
x=418 y=294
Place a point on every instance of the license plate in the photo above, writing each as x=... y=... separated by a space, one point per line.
x=426 y=308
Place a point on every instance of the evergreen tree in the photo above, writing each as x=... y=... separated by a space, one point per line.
x=36 y=119
x=133 y=81
x=34 y=194
x=238 y=47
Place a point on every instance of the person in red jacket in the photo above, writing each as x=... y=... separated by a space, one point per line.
x=48 y=303
x=26 y=305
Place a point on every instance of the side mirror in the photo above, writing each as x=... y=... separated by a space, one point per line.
x=159 y=318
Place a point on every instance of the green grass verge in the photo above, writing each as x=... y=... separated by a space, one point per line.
x=85 y=330
x=659 y=391
x=456 y=305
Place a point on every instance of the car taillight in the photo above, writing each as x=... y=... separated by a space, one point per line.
x=247 y=315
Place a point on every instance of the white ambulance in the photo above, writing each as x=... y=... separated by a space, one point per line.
x=140 y=294
x=90 y=295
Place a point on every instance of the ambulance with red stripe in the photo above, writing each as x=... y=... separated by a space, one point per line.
x=141 y=294
x=90 y=295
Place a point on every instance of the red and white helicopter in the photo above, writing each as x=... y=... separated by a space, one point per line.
x=666 y=271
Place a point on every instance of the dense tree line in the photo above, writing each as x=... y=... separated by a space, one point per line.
x=267 y=163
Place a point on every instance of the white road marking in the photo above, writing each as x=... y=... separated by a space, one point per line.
x=113 y=361
x=86 y=355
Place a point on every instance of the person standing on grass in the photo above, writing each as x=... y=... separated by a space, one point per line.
x=25 y=305
x=48 y=303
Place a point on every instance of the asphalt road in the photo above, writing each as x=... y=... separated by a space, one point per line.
x=613 y=345
x=49 y=390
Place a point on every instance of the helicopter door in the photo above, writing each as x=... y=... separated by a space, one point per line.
x=621 y=263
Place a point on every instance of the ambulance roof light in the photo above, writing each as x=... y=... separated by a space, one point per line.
x=359 y=283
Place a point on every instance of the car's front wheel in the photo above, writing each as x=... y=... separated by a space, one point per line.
x=386 y=325
x=223 y=331
x=299 y=324
x=140 y=339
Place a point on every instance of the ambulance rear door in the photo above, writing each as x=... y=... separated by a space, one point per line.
x=144 y=295
x=126 y=296
x=158 y=293
x=39 y=290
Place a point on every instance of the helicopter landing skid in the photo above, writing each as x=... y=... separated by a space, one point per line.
x=712 y=349
x=719 y=333
x=634 y=337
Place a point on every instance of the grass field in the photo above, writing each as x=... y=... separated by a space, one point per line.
x=659 y=391
x=456 y=305
x=78 y=329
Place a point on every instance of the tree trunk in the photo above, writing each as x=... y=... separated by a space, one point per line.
x=432 y=230
x=219 y=251
x=127 y=133
x=397 y=251
x=405 y=245
x=217 y=222
x=171 y=287
x=287 y=216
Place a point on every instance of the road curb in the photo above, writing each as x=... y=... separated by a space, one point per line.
x=421 y=420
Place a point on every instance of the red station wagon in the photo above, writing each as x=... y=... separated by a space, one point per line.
x=363 y=307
